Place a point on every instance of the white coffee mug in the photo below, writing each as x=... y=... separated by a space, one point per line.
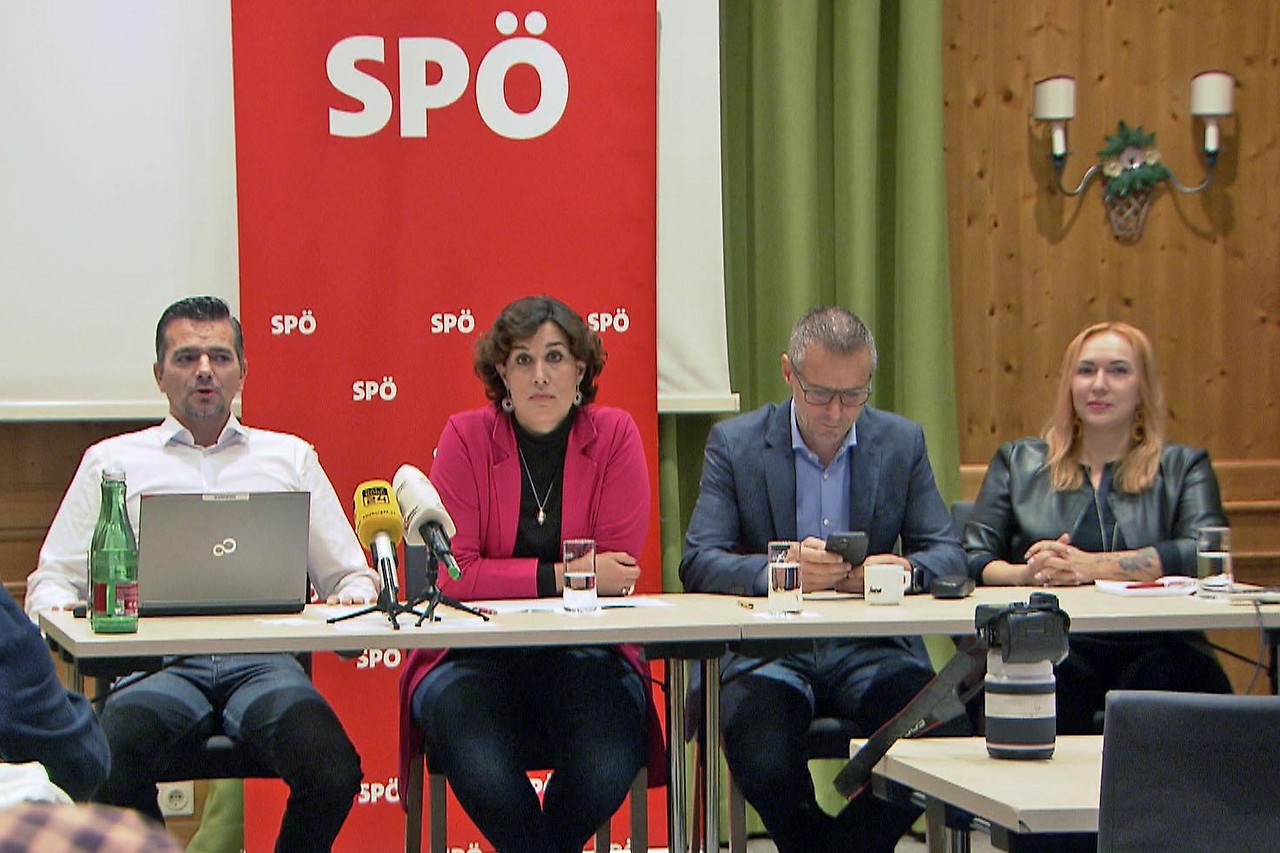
x=885 y=582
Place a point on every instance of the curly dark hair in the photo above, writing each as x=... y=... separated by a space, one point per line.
x=520 y=320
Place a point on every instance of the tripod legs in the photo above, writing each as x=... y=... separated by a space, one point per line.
x=393 y=611
x=434 y=598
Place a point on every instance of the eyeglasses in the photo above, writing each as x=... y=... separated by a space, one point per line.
x=816 y=396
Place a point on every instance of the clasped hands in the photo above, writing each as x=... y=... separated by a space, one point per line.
x=822 y=569
x=1056 y=562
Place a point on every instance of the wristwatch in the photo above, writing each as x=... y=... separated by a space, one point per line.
x=919 y=583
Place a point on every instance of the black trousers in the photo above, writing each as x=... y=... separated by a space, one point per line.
x=485 y=713
x=1179 y=661
x=265 y=700
x=765 y=713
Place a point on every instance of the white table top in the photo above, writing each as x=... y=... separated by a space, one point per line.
x=670 y=617
x=675 y=618
x=1091 y=611
x=1059 y=794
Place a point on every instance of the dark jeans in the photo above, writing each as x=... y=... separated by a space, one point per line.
x=266 y=701
x=765 y=713
x=486 y=714
x=1180 y=662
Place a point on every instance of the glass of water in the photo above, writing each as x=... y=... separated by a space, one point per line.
x=784 y=577
x=1213 y=559
x=580 y=575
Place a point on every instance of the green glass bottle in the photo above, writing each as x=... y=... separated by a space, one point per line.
x=113 y=562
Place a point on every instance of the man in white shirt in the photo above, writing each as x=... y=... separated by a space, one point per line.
x=266 y=700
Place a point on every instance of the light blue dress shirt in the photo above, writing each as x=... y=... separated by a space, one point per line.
x=822 y=494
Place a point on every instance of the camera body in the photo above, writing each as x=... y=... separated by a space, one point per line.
x=1025 y=642
x=1025 y=633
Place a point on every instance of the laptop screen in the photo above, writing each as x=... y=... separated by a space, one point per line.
x=243 y=552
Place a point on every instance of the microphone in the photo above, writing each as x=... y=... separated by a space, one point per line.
x=426 y=521
x=379 y=526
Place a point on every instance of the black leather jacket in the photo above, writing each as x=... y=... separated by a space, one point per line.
x=1017 y=506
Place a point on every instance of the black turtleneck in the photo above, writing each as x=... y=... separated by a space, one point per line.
x=542 y=462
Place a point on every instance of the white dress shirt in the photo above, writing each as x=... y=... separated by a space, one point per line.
x=165 y=459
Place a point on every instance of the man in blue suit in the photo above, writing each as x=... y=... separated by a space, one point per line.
x=821 y=463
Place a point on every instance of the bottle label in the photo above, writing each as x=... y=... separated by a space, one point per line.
x=115 y=607
x=127 y=599
x=100 y=595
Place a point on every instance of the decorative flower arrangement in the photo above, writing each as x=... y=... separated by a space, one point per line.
x=1131 y=162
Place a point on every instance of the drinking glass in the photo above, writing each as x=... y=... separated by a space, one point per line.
x=580 y=575
x=1213 y=560
x=784 y=577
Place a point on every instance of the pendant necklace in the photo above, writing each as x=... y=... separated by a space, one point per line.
x=542 y=504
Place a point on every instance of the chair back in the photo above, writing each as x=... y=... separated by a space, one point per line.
x=1189 y=771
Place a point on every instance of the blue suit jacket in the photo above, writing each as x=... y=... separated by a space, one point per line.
x=748 y=496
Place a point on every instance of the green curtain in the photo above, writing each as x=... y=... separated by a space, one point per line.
x=833 y=194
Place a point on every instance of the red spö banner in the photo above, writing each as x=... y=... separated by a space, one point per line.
x=405 y=169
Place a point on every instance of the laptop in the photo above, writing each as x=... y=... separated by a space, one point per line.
x=202 y=554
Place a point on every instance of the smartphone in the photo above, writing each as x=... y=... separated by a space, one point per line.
x=851 y=545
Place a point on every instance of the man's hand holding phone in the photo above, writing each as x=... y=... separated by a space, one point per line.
x=851 y=547
x=819 y=568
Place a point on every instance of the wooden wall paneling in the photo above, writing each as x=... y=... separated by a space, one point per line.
x=37 y=461
x=1031 y=267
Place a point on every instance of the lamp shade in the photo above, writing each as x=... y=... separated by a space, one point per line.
x=1054 y=99
x=1212 y=94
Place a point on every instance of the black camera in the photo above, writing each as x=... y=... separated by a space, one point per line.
x=1024 y=642
x=1025 y=633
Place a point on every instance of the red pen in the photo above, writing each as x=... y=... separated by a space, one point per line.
x=1145 y=585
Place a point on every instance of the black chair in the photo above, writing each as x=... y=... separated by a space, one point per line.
x=437 y=799
x=1189 y=771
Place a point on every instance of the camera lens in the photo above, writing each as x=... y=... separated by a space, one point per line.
x=1021 y=713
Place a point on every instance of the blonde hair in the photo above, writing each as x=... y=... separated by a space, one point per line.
x=1136 y=469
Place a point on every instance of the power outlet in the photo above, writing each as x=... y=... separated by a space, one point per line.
x=177 y=799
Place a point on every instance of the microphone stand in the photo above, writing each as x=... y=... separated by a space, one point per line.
x=388 y=599
x=433 y=597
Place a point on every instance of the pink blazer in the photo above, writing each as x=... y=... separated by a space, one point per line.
x=478 y=473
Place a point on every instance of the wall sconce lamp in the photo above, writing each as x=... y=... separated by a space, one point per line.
x=1130 y=163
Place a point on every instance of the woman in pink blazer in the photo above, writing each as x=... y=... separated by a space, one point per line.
x=541 y=465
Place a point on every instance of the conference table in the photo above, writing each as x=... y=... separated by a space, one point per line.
x=1017 y=800
x=831 y=615
x=682 y=628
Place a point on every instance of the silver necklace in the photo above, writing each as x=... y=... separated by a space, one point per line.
x=542 y=504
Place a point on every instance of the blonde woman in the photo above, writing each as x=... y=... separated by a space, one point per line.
x=1101 y=496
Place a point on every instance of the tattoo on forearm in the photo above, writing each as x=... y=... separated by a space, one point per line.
x=1139 y=563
